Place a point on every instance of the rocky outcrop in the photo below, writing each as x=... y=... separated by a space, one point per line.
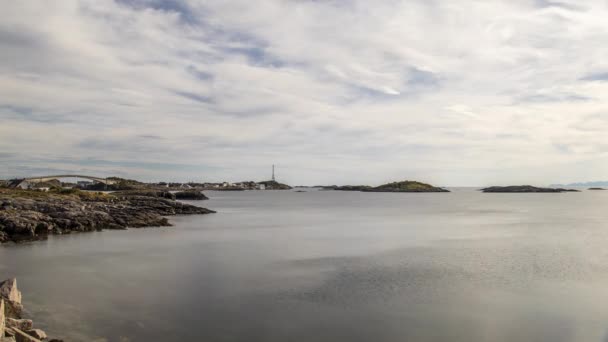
x=11 y=298
x=595 y=189
x=274 y=185
x=192 y=195
x=25 y=218
x=13 y=327
x=145 y=193
x=405 y=186
x=525 y=189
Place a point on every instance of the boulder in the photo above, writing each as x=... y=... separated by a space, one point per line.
x=2 y=319
x=9 y=290
x=21 y=324
x=13 y=309
x=21 y=336
x=37 y=333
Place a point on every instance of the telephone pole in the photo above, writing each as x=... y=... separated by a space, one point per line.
x=273 y=172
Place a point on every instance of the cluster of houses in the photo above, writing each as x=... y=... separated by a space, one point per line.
x=249 y=185
x=25 y=184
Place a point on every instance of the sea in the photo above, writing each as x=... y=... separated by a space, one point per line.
x=332 y=266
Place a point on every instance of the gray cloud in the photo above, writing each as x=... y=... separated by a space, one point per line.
x=599 y=76
x=166 y=89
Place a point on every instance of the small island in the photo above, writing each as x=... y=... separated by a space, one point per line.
x=596 y=189
x=524 y=189
x=404 y=186
x=273 y=185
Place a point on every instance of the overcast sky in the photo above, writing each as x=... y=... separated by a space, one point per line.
x=466 y=92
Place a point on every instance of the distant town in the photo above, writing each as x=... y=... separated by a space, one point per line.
x=114 y=184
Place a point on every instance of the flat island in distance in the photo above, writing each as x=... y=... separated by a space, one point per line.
x=525 y=189
x=404 y=186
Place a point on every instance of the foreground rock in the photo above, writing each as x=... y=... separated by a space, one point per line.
x=31 y=215
x=13 y=327
x=525 y=189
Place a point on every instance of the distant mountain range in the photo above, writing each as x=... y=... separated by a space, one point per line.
x=593 y=184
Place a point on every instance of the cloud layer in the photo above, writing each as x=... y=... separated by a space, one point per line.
x=352 y=91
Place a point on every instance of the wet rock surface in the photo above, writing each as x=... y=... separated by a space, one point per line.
x=26 y=216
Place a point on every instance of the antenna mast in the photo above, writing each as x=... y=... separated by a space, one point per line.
x=273 y=172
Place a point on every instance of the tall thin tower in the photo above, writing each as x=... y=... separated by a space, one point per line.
x=273 y=172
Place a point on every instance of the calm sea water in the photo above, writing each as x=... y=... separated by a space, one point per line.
x=332 y=266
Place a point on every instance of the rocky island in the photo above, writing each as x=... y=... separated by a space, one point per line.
x=33 y=215
x=404 y=186
x=274 y=185
x=524 y=189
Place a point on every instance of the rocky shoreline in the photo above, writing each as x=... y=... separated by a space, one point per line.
x=13 y=327
x=32 y=215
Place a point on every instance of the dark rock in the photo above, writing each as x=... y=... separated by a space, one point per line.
x=37 y=217
x=194 y=195
x=146 y=193
x=597 y=189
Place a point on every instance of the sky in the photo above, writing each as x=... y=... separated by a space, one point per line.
x=453 y=93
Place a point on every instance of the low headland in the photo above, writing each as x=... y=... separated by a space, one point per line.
x=27 y=215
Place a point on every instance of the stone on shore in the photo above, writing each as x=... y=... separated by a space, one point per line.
x=21 y=336
x=12 y=327
x=21 y=324
x=2 y=319
x=37 y=333
x=12 y=298
x=9 y=290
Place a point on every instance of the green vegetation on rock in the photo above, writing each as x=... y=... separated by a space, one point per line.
x=274 y=185
x=406 y=186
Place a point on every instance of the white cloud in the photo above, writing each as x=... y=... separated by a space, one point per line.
x=454 y=93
